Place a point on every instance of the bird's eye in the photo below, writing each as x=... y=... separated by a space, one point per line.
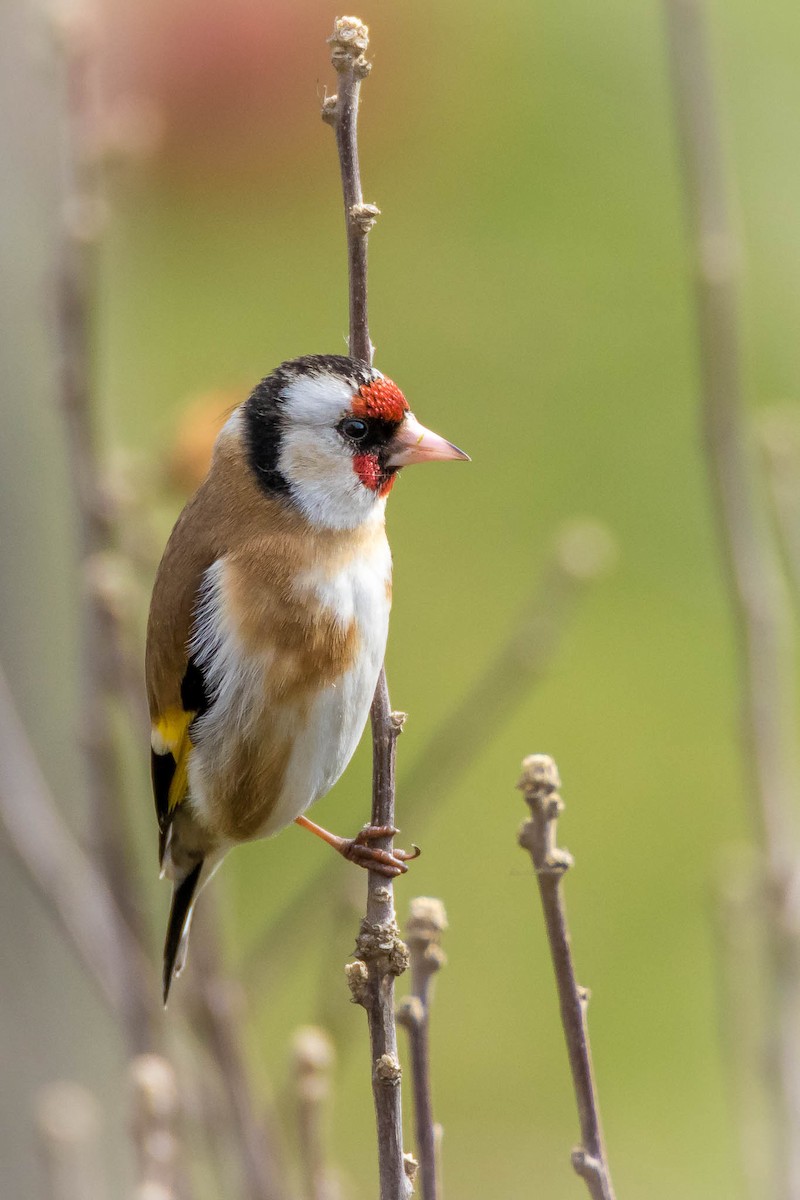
x=354 y=429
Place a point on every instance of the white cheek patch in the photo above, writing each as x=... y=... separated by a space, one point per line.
x=322 y=481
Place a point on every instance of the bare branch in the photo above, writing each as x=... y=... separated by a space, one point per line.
x=757 y=587
x=349 y=43
x=313 y=1059
x=381 y=956
x=381 y=953
x=426 y=922
x=540 y=785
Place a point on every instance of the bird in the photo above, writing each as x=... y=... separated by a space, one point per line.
x=269 y=619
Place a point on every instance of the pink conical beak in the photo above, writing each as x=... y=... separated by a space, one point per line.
x=413 y=443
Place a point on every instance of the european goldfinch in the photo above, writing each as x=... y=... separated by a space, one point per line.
x=269 y=619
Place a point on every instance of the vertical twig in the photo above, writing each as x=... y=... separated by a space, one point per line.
x=381 y=954
x=349 y=43
x=757 y=586
x=313 y=1058
x=540 y=785
x=426 y=923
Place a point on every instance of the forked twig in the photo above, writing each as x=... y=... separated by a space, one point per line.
x=426 y=923
x=540 y=785
x=380 y=953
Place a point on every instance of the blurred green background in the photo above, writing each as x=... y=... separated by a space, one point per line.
x=530 y=293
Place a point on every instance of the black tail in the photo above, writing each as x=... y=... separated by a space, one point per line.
x=178 y=927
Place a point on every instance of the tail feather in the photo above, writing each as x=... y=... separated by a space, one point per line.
x=180 y=916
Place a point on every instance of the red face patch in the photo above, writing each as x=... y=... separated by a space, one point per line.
x=380 y=399
x=368 y=470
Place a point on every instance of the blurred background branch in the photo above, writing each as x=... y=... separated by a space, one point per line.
x=758 y=591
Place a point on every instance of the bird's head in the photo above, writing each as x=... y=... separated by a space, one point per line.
x=330 y=434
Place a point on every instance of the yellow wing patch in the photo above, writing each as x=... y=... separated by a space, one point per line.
x=170 y=735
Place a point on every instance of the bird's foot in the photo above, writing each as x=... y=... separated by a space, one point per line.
x=385 y=862
x=359 y=851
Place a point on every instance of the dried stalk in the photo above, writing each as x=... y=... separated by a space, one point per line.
x=426 y=922
x=540 y=785
x=313 y=1058
x=583 y=551
x=757 y=587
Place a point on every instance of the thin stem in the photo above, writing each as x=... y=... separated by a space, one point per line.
x=381 y=954
x=757 y=588
x=426 y=923
x=349 y=41
x=540 y=785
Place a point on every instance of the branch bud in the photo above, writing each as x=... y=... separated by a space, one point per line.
x=329 y=110
x=349 y=43
x=411 y=1167
x=388 y=1069
x=358 y=981
x=539 y=777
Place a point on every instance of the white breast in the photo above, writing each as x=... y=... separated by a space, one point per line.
x=329 y=737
